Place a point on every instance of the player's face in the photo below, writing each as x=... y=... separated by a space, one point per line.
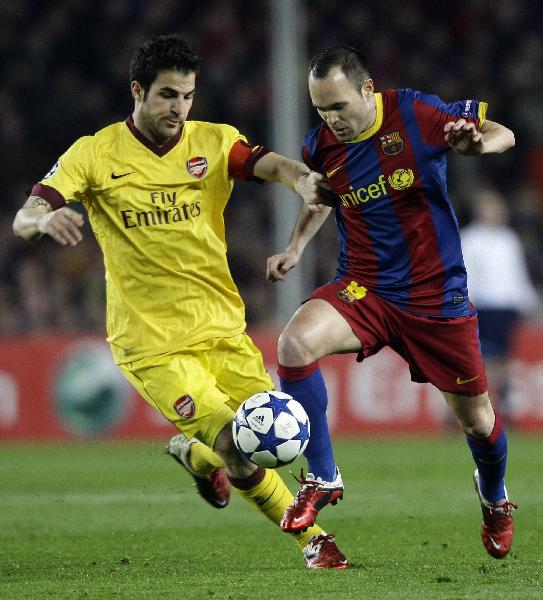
x=162 y=110
x=347 y=110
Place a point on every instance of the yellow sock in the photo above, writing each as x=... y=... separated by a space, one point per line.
x=271 y=497
x=202 y=459
x=303 y=538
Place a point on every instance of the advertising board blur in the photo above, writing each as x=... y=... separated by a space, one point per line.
x=67 y=387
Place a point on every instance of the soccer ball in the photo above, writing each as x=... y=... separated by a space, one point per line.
x=271 y=429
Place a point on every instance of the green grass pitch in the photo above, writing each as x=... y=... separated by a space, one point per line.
x=122 y=520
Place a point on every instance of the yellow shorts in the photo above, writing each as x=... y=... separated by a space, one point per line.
x=199 y=388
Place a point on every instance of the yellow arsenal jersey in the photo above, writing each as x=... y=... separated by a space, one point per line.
x=157 y=213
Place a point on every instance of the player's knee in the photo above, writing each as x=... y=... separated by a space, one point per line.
x=479 y=430
x=294 y=348
x=236 y=465
x=474 y=413
x=224 y=444
x=477 y=423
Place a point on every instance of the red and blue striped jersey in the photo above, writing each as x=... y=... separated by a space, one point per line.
x=398 y=233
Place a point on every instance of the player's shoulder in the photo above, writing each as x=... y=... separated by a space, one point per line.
x=409 y=95
x=313 y=132
x=94 y=149
x=430 y=99
x=103 y=138
x=110 y=133
x=315 y=137
x=207 y=128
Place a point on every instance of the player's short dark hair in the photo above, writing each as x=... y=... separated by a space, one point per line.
x=163 y=53
x=348 y=58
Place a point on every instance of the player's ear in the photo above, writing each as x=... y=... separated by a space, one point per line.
x=367 y=87
x=138 y=92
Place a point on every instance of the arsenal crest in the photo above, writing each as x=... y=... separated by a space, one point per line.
x=391 y=143
x=197 y=166
x=184 y=407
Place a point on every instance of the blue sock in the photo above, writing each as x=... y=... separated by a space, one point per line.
x=306 y=385
x=490 y=456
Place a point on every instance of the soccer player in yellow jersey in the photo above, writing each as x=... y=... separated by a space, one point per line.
x=155 y=187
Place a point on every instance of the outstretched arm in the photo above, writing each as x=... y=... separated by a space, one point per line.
x=296 y=176
x=463 y=137
x=37 y=217
x=306 y=227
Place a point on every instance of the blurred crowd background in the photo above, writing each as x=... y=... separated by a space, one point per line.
x=65 y=72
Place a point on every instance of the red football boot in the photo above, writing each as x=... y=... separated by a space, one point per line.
x=215 y=487
x=323 y=553
x=313 y=495
x=498 y=527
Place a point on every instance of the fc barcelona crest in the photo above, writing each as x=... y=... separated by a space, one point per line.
x=353 y=292
x=391 y=143
x=197 y=166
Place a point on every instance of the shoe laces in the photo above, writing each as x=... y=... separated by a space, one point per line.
x=316 y=543
x=502 y=510
x=304 y=481
x=326 y=543
x=307 y=486
x=498 y=517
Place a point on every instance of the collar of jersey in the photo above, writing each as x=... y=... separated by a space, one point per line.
x=378 y=121
x=155 y=148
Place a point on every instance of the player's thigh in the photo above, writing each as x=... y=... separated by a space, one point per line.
x=239 y=369
x=445 y=352
x=319 y=329
x=184 y=390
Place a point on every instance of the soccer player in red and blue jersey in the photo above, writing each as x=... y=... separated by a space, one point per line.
x=401 y=280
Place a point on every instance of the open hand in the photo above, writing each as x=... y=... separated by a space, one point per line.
x=63 y=225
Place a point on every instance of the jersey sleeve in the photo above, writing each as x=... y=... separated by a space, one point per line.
x=242 y=158
x=432 y=114
x=70 y=176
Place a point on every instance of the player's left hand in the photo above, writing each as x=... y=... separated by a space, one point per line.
x=280 y=264
x=463 y=137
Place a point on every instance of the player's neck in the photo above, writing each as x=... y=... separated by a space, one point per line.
x=372 y=113
x=150 y=133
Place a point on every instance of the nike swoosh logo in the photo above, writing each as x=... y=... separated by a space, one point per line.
x=115 y=176
x=333 y=171
x=461 y=381
x=497 y=546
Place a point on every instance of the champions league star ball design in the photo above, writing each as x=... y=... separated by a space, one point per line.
x=271 y=429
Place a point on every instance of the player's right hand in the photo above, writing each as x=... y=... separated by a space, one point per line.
x=280 y=264
x=63 y=225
